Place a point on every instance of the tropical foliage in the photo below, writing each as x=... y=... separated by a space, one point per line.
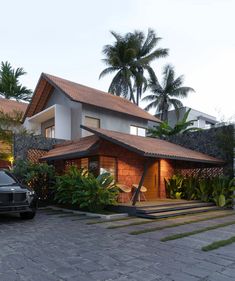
x=83 y=189
x=182 y=126
x=10 y=86
x=217 y=189
x=174 y=187
x=129 y=57
x=165 y=95
x=39 y=176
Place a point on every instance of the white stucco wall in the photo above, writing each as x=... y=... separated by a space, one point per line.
x=58 y=97
x=62 y=122
x=111 y=120
x=69 y=115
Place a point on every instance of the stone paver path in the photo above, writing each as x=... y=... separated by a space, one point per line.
x=59 y=248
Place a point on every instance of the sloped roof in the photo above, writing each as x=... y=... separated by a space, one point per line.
x=8 y=106
x=86 y=95
x=68 y=148
x=153 y=147
x=145 y=146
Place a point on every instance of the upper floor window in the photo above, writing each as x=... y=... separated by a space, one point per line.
x=92 y=122
x=137 y=131
x=50 y=132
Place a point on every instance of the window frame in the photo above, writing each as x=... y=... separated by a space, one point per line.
x=52 y=129
x=94 y=118
x=137 y=128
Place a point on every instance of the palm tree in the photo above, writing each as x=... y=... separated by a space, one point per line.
x=119 y=57
x=146 y=53
x=129 y=57
x=166 y=95
x=10 y=86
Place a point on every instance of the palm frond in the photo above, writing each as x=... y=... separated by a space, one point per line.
x=107 y=71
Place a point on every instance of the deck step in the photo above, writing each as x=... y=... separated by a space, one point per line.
x=168 y=208
x=177 y=212
x=171 y=203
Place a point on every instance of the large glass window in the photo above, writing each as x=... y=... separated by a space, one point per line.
x=137 y=131
x=50 y=132
x=108 y=165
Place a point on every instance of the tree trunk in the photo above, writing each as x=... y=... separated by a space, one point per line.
x=164 y=114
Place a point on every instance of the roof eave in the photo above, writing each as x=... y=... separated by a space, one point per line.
x=163 y=156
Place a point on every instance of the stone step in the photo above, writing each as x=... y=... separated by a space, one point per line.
x=167 y=208
x=177 y=212
x=173 y=202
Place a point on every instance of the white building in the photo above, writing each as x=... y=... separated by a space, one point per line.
x=202 y=120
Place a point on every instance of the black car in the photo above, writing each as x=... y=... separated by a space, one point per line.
x=15 y=197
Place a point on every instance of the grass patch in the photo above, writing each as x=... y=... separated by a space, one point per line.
x=186 y=234
x=162 y=219
x=218 y=244
x=112 y=220
x=132 y=224
x=137 y=232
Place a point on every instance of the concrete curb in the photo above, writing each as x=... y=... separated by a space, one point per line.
x=95 y=215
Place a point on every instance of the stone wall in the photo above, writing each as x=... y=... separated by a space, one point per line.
x=22 y=144
x=217 y=142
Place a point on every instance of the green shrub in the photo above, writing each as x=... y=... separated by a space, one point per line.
x=174 y=186
x=218 y=189
x=39 y=176
x=189 y=187
x=83 y=189
x=223 y=188
x=204 y=190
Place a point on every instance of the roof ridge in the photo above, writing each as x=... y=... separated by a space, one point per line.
x=98 y=90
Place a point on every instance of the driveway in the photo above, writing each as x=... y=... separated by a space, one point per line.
x=57 y=247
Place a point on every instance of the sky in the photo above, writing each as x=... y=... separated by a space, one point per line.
x=65 y=38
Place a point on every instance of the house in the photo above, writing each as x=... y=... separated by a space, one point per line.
x=9 y=107
x=130 y=159
x=59 y=107
x=202 y=120
x=106 y=133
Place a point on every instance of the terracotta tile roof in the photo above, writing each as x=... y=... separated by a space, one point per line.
x=145 y=146
x=86 y=95
x=153 y=147
x=8 y=106
x=69 y=149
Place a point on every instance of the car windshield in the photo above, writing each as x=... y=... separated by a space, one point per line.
x=6 y=179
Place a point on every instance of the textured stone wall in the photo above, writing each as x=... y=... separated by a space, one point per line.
x=217 y=142
x=23 y=143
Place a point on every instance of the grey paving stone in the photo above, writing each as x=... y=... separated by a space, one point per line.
x=53 y=248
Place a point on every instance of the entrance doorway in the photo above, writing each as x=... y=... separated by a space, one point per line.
x=151 y=181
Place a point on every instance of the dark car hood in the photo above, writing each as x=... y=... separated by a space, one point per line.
x=12 y=188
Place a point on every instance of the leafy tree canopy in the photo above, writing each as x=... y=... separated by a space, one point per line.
x=166 y=94
x=129 y=57
x=10 y=86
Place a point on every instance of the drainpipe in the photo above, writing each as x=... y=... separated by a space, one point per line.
x=140 y=183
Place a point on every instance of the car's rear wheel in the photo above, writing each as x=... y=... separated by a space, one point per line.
x=27 y=215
